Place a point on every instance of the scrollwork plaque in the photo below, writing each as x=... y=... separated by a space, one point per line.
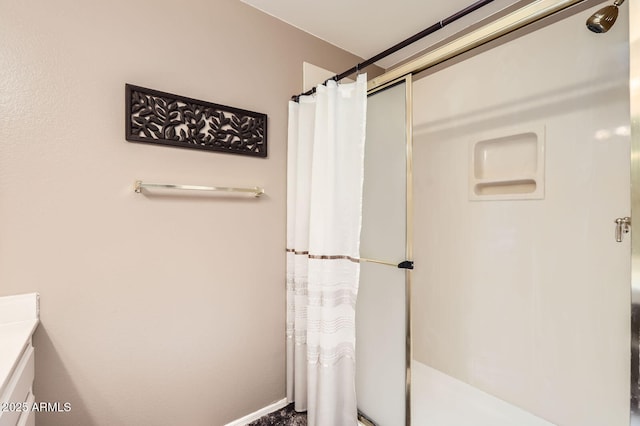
x=167 y=119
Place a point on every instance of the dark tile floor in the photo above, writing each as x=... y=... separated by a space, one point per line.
x=284 y=417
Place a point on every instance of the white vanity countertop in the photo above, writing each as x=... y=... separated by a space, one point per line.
x=19 y=317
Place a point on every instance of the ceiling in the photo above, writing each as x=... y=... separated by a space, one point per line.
x=368 y=27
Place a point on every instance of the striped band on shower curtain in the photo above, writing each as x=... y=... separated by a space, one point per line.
x=324 y=216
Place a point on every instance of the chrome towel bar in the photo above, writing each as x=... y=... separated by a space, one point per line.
x=256 y=191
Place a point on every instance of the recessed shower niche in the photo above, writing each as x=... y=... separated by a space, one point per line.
x=508 y=165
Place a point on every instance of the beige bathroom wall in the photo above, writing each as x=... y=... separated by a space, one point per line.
x=155 y=310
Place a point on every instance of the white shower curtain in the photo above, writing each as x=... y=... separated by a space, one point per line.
x=324 y=209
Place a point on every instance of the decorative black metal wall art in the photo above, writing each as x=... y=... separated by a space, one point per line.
x=166 y=119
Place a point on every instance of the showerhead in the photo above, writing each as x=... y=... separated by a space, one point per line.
x=603 y=20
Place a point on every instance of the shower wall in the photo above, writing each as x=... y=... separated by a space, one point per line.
x=521 y=158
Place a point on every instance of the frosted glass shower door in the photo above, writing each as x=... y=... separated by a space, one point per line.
x=380 y=313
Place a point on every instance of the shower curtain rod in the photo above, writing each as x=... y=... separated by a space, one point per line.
x=422 y=34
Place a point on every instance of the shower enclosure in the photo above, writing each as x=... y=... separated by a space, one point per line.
x=525 y=296
x=518 y=309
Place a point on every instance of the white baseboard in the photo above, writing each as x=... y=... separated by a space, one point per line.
x=261 y=412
